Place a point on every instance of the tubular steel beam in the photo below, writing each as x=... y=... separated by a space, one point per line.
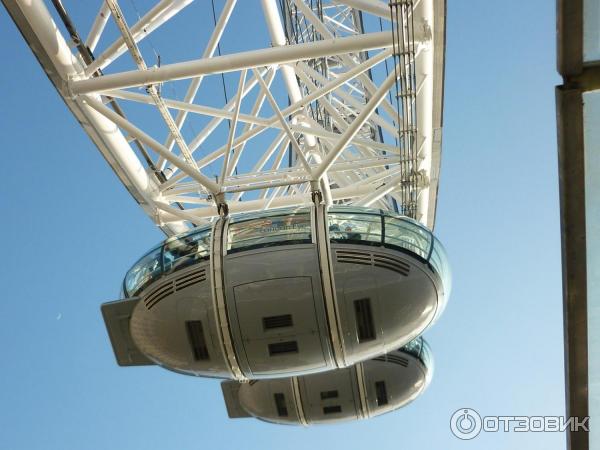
x=230 y=63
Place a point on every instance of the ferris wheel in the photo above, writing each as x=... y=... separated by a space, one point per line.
x=288 y=149
x=355 y=111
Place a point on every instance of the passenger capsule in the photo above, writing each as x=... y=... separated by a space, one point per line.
x=280 y=293
x=364 y=390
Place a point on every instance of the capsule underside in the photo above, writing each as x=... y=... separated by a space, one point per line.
x=273 y=319
x=364 y=390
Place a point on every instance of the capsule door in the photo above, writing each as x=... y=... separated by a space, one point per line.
x=278 y=325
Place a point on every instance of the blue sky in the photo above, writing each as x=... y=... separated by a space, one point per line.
x=70 y=231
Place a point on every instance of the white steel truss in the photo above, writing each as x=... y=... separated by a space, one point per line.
x=343 y=97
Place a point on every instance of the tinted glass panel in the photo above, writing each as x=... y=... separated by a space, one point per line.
x=186 y=250
x=143 y=272
x=440 y=263
x=413 y=347
x=269 y=231
x=591 y=138
x=420 y=350
x=591 y=30
x=405 y=234
x=344 y=227
x=426 y=356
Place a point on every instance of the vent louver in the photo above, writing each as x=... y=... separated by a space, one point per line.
x=332 y=409
x=390 y=263
x=189 y=279
x=280 y=404
x=364 y=320
x=280 y=348
x=158 y=294
x=182 y=282
x=394 y=359
x=381 y=393
x=282 y=321
x=195 y=333
x=329 y=394
x=373 y=259
x=355 y=257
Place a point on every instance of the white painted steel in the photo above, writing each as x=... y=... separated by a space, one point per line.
x=98 y=27
x=157 y=16
x=231 y=63
x=330 y=128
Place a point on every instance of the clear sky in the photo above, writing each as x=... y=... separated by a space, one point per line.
x=70 y=231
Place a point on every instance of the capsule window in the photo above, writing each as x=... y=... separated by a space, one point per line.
x=332 y=409
x=187 y=250
x=364 y=320
x=267 y=231
x=195 y=334
x=280 y=404
x=280 y=348
x=381 y=393
x=282 y=321
x=329 y=394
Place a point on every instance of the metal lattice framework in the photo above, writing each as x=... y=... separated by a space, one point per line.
x=344 y=99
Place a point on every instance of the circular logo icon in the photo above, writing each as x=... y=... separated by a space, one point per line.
x=465 y=423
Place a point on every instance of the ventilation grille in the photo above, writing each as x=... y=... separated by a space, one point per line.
x=394 y=359
x=172 y=286
x=158 y=294
x=280 y=404
x=282 y=321
x=332 y=409
x=195 y=333
x=280 y=348
x=345 y=256
x=329 y=394
x=189 y=279
x=373 y=259
x=388 y=262
x=381 y=393
x=364 y=320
